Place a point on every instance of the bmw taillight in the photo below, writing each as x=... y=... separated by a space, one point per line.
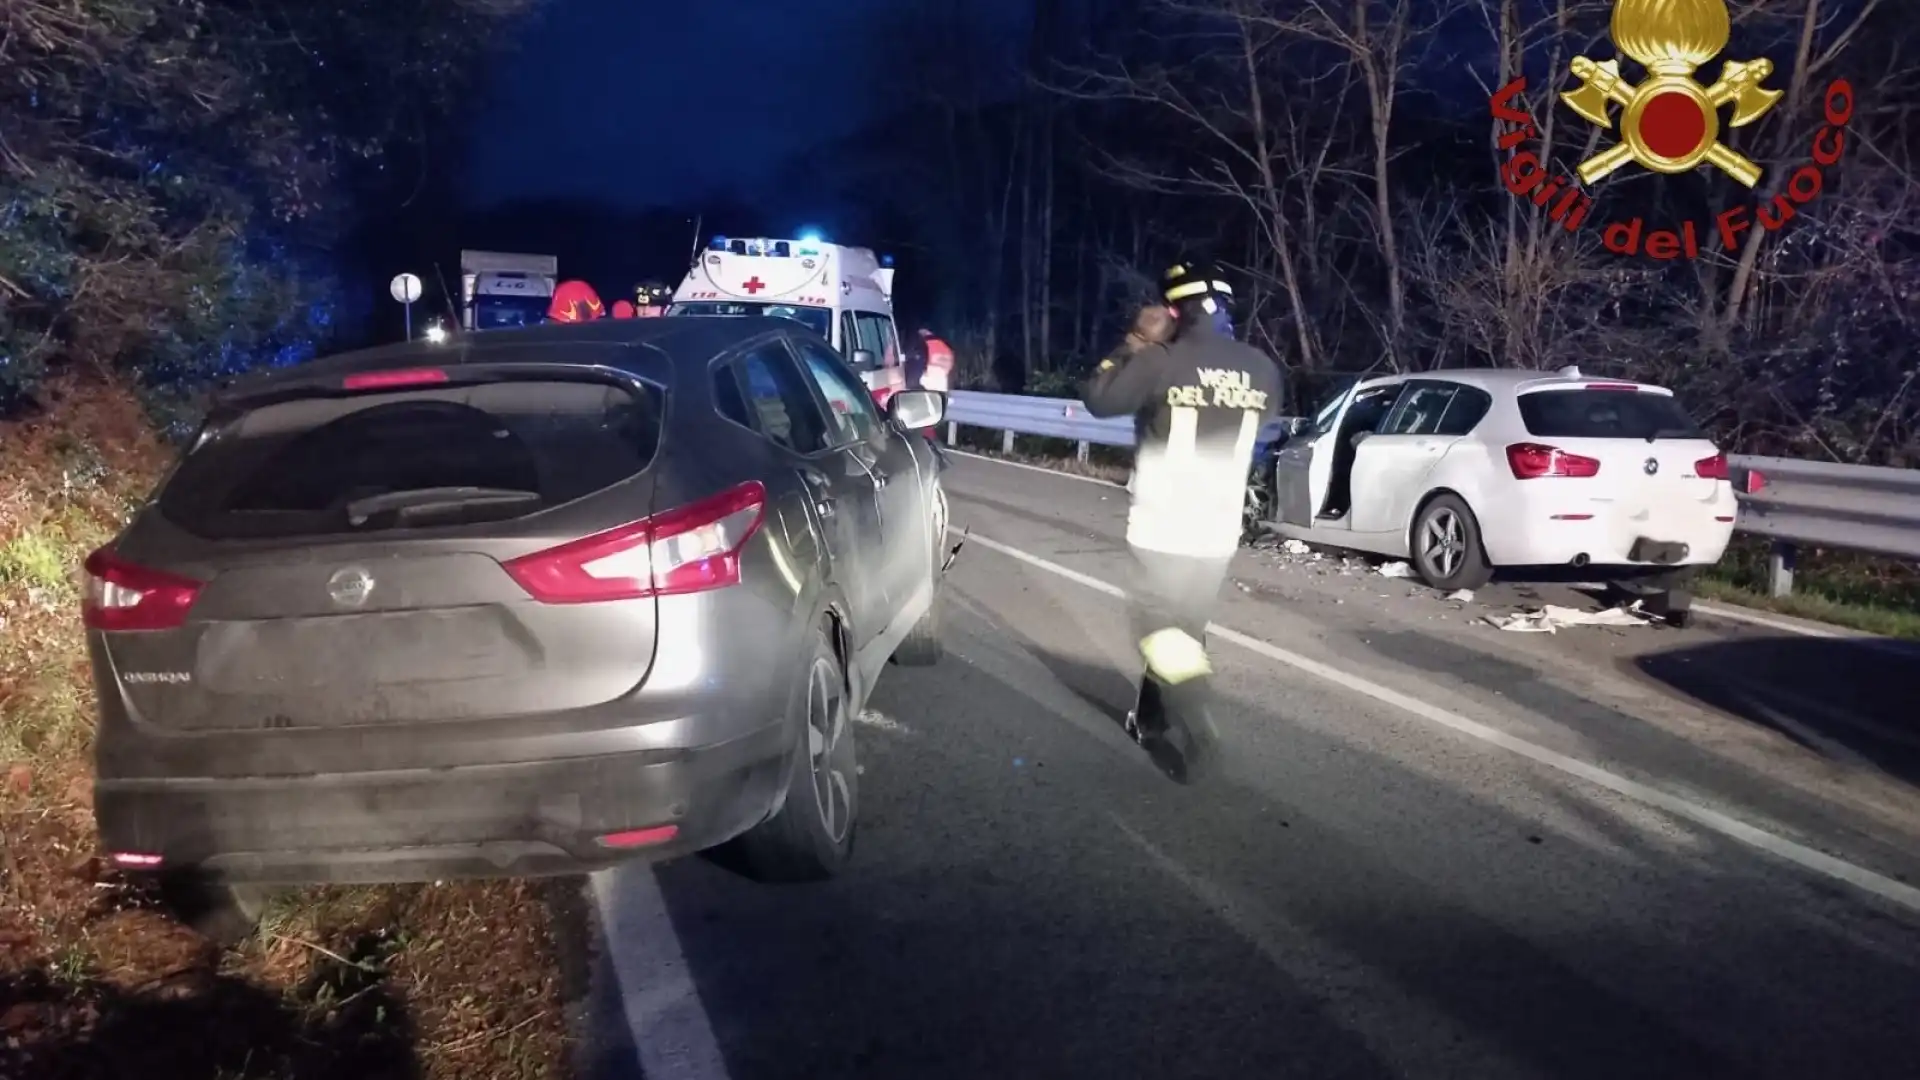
x=124 y=597
x=1533 y=461
x=690 y=549
x=1713 y=468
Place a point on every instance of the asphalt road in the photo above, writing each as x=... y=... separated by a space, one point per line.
x=1437 y=850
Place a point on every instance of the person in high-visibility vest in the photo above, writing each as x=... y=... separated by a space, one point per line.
x=1198 y=398
x=929 y=363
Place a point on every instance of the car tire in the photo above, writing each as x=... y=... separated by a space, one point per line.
x=810 y=838
x=225 y=915
x=1445 y=545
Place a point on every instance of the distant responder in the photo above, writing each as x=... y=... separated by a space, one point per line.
x=1199 y=398
x=651 y=298
x=929 y=363
x=575 y=301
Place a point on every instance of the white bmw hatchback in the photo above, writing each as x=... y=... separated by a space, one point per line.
x=1461 y=472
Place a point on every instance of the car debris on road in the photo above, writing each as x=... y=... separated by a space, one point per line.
x=1552 y=618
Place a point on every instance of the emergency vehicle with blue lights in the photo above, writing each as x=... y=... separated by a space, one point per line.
x=845 y=294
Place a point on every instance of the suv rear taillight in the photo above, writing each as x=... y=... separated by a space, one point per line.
x=1713 y=468
x=690 y=549
x=394 y=380
x=121 y=596
x=1533 y=461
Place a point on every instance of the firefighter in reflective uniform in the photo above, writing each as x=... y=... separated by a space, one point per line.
x=650 y=299
x=1199 y=398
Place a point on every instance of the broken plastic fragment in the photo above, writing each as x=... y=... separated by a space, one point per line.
x=1553 y=618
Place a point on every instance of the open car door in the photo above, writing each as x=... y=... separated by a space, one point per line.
x=1303 y=467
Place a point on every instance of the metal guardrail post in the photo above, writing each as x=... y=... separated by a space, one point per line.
x=1006 y=441
x=1780 y=561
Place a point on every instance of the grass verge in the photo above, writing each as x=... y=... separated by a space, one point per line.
x=1867 y=593
x=437 y=982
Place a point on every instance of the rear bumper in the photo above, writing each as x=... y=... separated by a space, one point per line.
x=494 y=820
x=1533 y=536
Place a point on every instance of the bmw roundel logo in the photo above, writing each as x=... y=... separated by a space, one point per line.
x=1653 y=466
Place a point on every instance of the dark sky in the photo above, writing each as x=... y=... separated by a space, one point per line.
x=686 y=100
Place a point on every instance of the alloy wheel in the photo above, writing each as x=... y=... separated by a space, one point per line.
x=830 y=749
x=1443 y=543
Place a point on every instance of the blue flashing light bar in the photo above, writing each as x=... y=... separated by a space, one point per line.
x=718 y=243
x=886 y=260
x=812 y=236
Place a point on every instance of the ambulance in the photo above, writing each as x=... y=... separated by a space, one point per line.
x=845 y=294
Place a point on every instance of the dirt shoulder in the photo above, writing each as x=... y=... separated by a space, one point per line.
x=425 y=981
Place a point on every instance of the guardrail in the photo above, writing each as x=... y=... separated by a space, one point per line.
x=1017 y=414
x=1864 y=508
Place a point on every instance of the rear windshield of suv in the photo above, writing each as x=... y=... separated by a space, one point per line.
x=431 y=457
x=1606 y=414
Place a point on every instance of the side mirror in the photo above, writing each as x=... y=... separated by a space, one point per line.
x=863 y=360
x=917 y=410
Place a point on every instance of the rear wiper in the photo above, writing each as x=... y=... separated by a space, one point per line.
x=424 y=502
x=1672 y=433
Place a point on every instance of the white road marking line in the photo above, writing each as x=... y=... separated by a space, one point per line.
x=1034 y=468
x=671 y=1033
x=1807 y=858
x=1717 y=611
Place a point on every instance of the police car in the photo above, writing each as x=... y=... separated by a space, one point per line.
x=845 y=294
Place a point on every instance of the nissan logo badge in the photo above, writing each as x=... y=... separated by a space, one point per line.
x=1653 y=466
x=350 y=587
